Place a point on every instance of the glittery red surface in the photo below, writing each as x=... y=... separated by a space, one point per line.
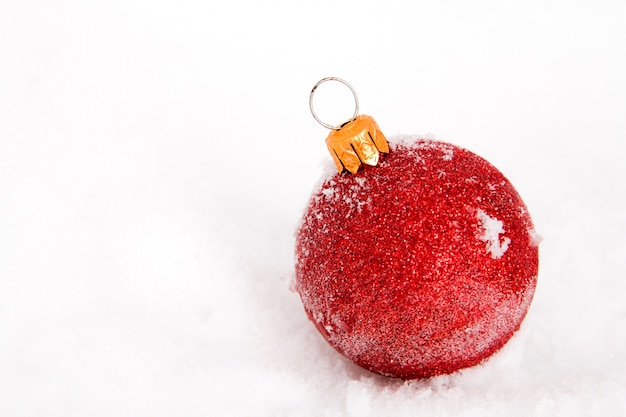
x=420 y=266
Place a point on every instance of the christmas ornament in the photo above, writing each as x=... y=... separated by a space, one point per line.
x=417 y=257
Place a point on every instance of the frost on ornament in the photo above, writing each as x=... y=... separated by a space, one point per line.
x=422 y=265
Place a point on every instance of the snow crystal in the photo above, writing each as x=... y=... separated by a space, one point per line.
x=328 y=193
x=535 y=238
x=491 y=236
x=407 y=140
x=361 y=181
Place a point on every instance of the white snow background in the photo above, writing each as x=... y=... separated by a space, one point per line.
x=156 y=156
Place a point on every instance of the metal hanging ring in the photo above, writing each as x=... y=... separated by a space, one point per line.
x=356 y=102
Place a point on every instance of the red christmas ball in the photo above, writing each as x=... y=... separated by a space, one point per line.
x=420 y=266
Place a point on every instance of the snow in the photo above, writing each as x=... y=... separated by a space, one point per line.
x=156 y=157
x=492 y=228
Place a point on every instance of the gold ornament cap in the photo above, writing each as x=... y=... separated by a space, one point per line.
x=356 y=142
